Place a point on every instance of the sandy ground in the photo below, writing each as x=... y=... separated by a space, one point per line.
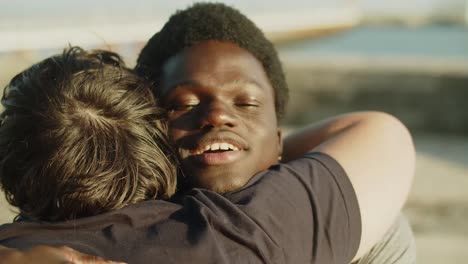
x=438 y=203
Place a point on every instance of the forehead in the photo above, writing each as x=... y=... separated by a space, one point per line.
x=214 y=63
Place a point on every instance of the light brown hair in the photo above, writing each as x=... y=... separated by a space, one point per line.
x=81 y=135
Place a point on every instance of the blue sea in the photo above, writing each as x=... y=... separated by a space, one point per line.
x=444 y=42
x=450 y=42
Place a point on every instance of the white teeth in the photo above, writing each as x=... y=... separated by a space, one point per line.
x=214 y=146
x=224 y=146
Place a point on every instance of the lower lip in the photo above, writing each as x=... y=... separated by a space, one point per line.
x=218 y=158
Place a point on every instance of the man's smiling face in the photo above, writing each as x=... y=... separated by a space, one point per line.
x=222 y=117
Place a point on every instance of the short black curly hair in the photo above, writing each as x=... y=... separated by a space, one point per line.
x=212 y=21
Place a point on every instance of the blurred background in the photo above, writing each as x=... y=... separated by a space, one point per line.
x=408 y=58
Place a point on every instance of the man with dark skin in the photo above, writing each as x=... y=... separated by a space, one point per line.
x=221 y=89
x=222 y=117
x=225 y=105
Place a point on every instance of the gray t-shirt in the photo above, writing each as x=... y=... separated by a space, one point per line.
x=304 y=211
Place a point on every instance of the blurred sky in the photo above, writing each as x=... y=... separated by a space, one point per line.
x=22 y=22
x=36 y=14
x=53 y=9
x=411 y=7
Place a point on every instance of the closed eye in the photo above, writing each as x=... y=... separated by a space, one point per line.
x=183 y=107
x=248 y=104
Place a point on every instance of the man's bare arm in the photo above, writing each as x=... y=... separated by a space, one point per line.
x=377 y=153
x=48 y=255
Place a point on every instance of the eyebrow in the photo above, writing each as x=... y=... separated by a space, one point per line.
x=248 y=84
x=185 y=83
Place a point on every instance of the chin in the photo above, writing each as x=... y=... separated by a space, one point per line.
x=222 y=185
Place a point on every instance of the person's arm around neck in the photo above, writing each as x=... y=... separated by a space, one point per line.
x=48 y=255
x=377 y=153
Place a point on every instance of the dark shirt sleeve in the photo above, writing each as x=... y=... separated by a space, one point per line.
x=307 y=207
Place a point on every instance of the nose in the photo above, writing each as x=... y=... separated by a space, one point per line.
x=217 y=114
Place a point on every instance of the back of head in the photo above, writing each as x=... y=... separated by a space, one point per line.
x=212 y=21
x=81 y=135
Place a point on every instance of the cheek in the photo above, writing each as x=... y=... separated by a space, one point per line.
x=268 y=139
x=267 y=153
x=269 y=126
x=272 y=140
x=174 y=133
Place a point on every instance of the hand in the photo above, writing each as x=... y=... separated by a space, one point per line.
x=49 y=255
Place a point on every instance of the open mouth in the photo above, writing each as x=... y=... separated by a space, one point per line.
x=218 y=147
x=217 y=153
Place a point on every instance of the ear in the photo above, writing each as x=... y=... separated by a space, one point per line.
x=280 y=143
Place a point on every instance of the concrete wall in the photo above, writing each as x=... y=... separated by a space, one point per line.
x=426 y=100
